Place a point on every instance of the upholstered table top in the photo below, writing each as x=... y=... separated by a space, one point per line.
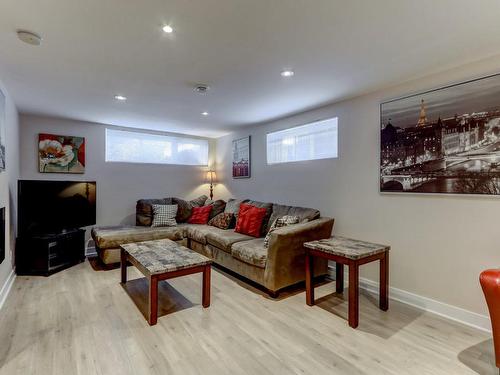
x=161 y=256
x=347 y=247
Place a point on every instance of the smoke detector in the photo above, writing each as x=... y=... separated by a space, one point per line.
x=29 y=37
x=201 y=89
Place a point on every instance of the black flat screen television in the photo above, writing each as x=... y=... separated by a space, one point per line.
x=46 y=207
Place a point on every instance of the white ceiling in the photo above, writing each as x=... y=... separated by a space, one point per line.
x=93 y=49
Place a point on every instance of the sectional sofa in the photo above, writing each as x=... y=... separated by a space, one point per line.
x=277 y=266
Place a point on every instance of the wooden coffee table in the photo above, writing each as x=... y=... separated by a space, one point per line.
x=352 y=253
x=161 y=260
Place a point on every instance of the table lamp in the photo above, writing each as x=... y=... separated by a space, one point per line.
x=211 y=178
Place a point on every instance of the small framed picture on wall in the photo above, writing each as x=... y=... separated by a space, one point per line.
x=241 y=158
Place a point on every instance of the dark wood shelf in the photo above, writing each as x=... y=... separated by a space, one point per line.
x=48 y=253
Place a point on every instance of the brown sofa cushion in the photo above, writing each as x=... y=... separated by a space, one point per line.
x=269 y=209
x=252 y=252
x=144 y=210
x=198 y=232
x=223 y=239
x=233 y=206
x=114 y=236
x=185 y=207
x=304 y=214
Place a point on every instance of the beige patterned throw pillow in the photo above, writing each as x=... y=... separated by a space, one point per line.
x=280 y=222
x=222 y=220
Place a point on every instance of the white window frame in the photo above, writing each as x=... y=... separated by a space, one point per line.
x=289 y=130
x=173 y=139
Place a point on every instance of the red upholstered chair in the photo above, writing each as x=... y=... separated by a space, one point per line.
x=490 y=282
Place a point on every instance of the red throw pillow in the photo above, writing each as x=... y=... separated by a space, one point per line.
x=200 y=215
x=250 y=220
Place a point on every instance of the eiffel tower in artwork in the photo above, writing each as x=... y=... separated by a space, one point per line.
x=422 y=120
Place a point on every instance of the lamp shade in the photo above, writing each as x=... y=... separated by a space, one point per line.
x=211 y=177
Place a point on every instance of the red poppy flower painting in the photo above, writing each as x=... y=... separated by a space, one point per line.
x=61 y=154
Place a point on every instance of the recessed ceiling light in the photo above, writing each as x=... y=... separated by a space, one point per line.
x=29 y=37
x=201 y=89
x=205 y=113
x=287 y=73
x=121 y=98
x=167 y=29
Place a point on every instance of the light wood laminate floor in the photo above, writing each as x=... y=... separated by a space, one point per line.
x=81 y=321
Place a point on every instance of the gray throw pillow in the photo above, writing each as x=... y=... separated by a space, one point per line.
x=233 y=206
x=305 y=214
x=218 y=207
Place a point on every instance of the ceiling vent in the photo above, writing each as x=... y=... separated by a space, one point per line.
x=29 y=37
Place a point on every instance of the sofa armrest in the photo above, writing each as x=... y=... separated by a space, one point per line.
x=286 y=248
x=295 y=235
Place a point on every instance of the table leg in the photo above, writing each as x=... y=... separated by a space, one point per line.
x=206 y=286
x=353 y=294
x=123 y=260
x=384 y=282
x=309 y=279
x=339 y=277
x=153 y=300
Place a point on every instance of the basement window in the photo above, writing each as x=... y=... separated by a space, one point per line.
x=137 y=147
x=313 y=141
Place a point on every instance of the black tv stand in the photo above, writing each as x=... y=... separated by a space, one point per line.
x=46 y=253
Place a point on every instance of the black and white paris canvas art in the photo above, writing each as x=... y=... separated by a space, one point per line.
x=443 y=141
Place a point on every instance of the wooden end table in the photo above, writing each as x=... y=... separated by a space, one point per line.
x=353 y=253
x=161 y=260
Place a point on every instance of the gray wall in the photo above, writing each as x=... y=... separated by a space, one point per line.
x=439 y=243
x=8 y=185
x=119 y=185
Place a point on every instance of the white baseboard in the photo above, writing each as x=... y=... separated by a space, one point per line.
x=7 y=286
x=451 y=312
